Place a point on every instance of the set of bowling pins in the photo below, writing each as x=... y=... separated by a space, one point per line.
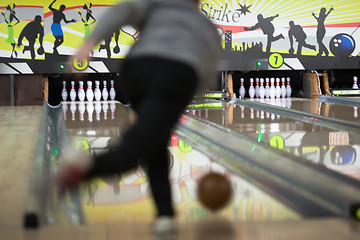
x=267 y=91
x=90 y=107
x=89 y=94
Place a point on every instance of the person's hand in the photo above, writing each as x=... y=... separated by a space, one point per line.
x=73 y=20
x=246 y=28
x=331 y=8
x=19 y=44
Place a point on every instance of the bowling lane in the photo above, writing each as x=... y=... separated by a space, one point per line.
x=315 y=106
x=337 y=150
x=127 y=199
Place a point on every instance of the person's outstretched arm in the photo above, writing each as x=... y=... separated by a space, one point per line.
x=50 y=6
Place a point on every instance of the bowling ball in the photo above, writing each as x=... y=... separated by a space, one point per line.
x=214 y=191
x=342 y=45
x=40 y=51
x=116 y=49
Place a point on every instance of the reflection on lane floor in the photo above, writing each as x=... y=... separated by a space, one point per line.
x=337 y=150
x=315 y=106
x=127 y=198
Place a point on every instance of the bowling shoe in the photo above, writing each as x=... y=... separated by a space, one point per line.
x=164 y=226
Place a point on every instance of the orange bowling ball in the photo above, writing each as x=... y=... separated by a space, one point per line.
x=214 y=191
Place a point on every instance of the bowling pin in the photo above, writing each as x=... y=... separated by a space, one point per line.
x=81 y=92
x=355 y=84
x=272 y=88
x=73 y=110
x=185 y=176
x=105 y=93
x=97 y=110
x=112 y=109
x=356 y=112
x=105 y=108
x=267 y=88
x=130 y=179
x=288 y=87
x=242 y=88
x=251 y=89
x=133 y=32
x=262 y=89
x=64 y=108
x=89 y=92
x=90 y=110
x=82 y=110
x=277 y=89
x=112 y=90
x=64 y=93
x=251 y=113
x=283 y=88
x=174 y=175
x=257 y=88
x=72 y=91
x=97 y=92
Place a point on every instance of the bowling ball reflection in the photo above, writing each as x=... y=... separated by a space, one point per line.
x=214 y=191
x=343 y=155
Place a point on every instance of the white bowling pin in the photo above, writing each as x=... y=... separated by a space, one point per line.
x=89 y=92
x=130 y=179
x=355 y=84
x=288 y=87
x=64 y=108
x=251 y=113
x=72 y=91
x=283 y=88
x=355 y=112
x=64 y=93
x=112 y=109
x=185 y=176
x=97 y=92
x=277 y=89
x=97 y=110
x=272 y=88
x=257 y=88
x=90 y=110
x=112 y=90
x=251 y=89
x=105 y=93
x=196 y=158
x=242 y=88
x=82 y=110
x=105 y=108
x=267 y=88
x=81 y=92
x=217 y=168
x=128 y=29
x=174 y=175
x=73 y=110
x=262 y=89
x=242 y=112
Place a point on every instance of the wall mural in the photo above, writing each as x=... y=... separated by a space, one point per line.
x=267 y=34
